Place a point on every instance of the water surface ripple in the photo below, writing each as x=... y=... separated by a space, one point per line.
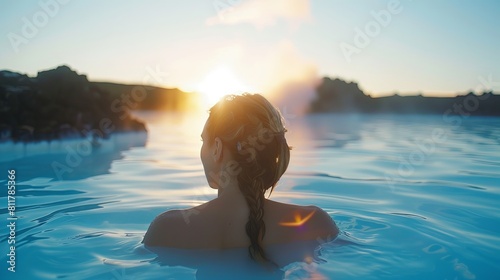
x=408 y=206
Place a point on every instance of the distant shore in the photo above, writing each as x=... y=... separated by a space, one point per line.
x=338 y=96
x=61 y=104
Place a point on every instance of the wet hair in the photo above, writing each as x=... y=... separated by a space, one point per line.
x=254 y=132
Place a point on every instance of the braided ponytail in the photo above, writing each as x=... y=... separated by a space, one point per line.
x=255 y=227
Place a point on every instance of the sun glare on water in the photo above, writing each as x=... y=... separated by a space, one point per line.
x=219 y=82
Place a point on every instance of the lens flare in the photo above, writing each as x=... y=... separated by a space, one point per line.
x=299 y=220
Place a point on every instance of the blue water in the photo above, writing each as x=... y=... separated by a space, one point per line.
x=415 y=197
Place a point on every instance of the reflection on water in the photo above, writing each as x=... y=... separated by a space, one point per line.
x=229 y=264
x=68 y=160
x=408 y=207
x=293 y=261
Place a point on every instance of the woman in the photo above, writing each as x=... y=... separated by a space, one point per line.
x=244 y=154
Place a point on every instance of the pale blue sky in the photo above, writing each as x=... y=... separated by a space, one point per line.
x=429 y=46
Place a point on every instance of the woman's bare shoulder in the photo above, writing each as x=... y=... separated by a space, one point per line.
x=178 y=228
x=309 y=222
x=292 y=209
x=165 y=229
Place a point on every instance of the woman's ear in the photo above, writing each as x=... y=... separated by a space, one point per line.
x=217 y=151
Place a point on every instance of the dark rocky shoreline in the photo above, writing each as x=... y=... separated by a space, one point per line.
x=61 y=104
x=338 y=96
x=58 y=104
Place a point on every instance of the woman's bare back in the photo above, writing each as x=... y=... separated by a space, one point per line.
x=212 y=226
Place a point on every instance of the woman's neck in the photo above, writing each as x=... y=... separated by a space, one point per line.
x=231 y=194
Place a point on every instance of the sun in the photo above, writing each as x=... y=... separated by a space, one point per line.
x=218 y=83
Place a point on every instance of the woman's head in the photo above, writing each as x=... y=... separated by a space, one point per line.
x=249 y=131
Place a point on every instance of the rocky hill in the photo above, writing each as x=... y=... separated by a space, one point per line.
x=338 y=96
x=145 y=97
x=57 y=104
